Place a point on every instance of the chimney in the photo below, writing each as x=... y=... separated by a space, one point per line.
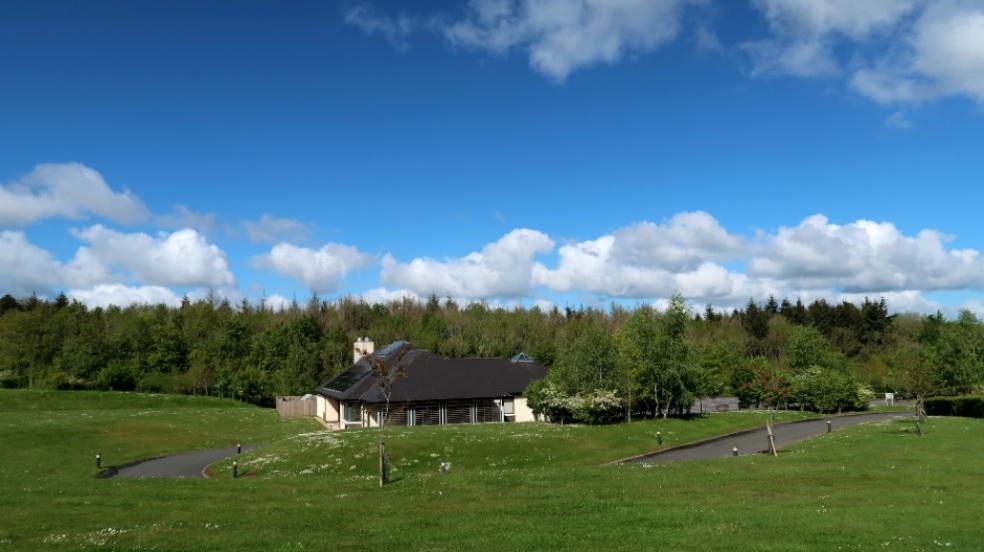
x=363 y=347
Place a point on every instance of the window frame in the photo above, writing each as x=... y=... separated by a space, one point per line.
x=348 y=407
x=512 y=406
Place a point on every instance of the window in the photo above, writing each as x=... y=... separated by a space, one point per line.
x=352 y=412
x=507 y=407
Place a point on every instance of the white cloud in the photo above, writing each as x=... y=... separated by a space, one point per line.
x=949 y=47
x=383 y=295
x=182 y=217
x=120 y=295
x=501 y=269
x=594 y=267
x=561 y=36
x=181 y=258
x=277 y=303
x=28 y=269
x=394 y=29
x=864 y=256
x=800 y=58
x=898 y=120
x=654 y=260
x=321 y=270
x=850 y=18
x=898 y=51
x=271 y=229
x=69 y=190
x=558 y=36
x=684 y=242
x=805 y=32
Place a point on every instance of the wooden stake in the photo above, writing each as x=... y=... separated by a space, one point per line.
x=382 y=463
x=772 y=438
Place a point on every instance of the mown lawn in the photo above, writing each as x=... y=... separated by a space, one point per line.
x=522 y=487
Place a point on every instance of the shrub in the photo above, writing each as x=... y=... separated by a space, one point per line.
x=968 y=406
x=599 y=407
x=118 y=375
x=66 y=382
x=825 y=390
x=154 y=382
x=10 y=379
x=546 y=399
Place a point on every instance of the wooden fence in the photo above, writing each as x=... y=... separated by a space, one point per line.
x=293 y=407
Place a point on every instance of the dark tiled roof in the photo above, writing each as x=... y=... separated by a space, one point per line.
x=432 y=378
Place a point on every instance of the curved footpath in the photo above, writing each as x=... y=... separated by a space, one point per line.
x=755 y=441
x=187 y=464
x=752 y=441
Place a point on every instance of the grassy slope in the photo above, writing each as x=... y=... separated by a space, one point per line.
x=511 y=487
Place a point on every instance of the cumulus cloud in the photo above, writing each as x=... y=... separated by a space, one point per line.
x=69 y=190
x=105 y=295
x=594 y=266
x=898 y=120
x=501 y=269
x=321 y=270
x=558 y=36
x=181 y=258
x=561 y=36
x=383 y=295
x=897 y=51
x=654 y=260
x=805 y=32
x=684 y=242
x=28 y=268
x=864 y=256
x=271 y=229
x=394 y=29
x=182 y=217
x=941 y=55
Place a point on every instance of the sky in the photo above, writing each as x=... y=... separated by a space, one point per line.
x=517 y=152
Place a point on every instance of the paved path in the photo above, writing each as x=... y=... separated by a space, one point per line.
x=756 y=440
x=187 y=464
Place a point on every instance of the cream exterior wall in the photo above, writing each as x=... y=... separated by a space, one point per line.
x=522 y=410
x=329 y=410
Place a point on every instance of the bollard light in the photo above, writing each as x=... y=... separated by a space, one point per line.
x=829 y=428
x=659 y=438
x=239 y=448
x=734 y=451
x=98 y=461
x=235 y=469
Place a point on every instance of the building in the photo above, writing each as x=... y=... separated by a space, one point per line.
x=432 y=391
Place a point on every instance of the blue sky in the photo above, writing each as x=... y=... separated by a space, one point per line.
x=606 y=151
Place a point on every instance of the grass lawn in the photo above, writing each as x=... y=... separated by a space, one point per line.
x=527 y=486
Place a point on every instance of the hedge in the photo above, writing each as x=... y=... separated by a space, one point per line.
x=968 y=406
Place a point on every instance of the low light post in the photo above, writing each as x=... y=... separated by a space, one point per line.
x=659 y=438
x=734 y=451
x=829 y=427
x=98 y=461
x=239 y=448
x=235 y=469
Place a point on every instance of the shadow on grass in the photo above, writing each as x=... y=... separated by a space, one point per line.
x=902 y=427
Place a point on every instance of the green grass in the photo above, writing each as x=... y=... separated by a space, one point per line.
x=528 y=486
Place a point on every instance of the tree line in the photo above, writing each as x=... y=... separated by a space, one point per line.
x=604 y=363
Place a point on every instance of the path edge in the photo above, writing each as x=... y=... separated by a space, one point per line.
x=700 y=442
